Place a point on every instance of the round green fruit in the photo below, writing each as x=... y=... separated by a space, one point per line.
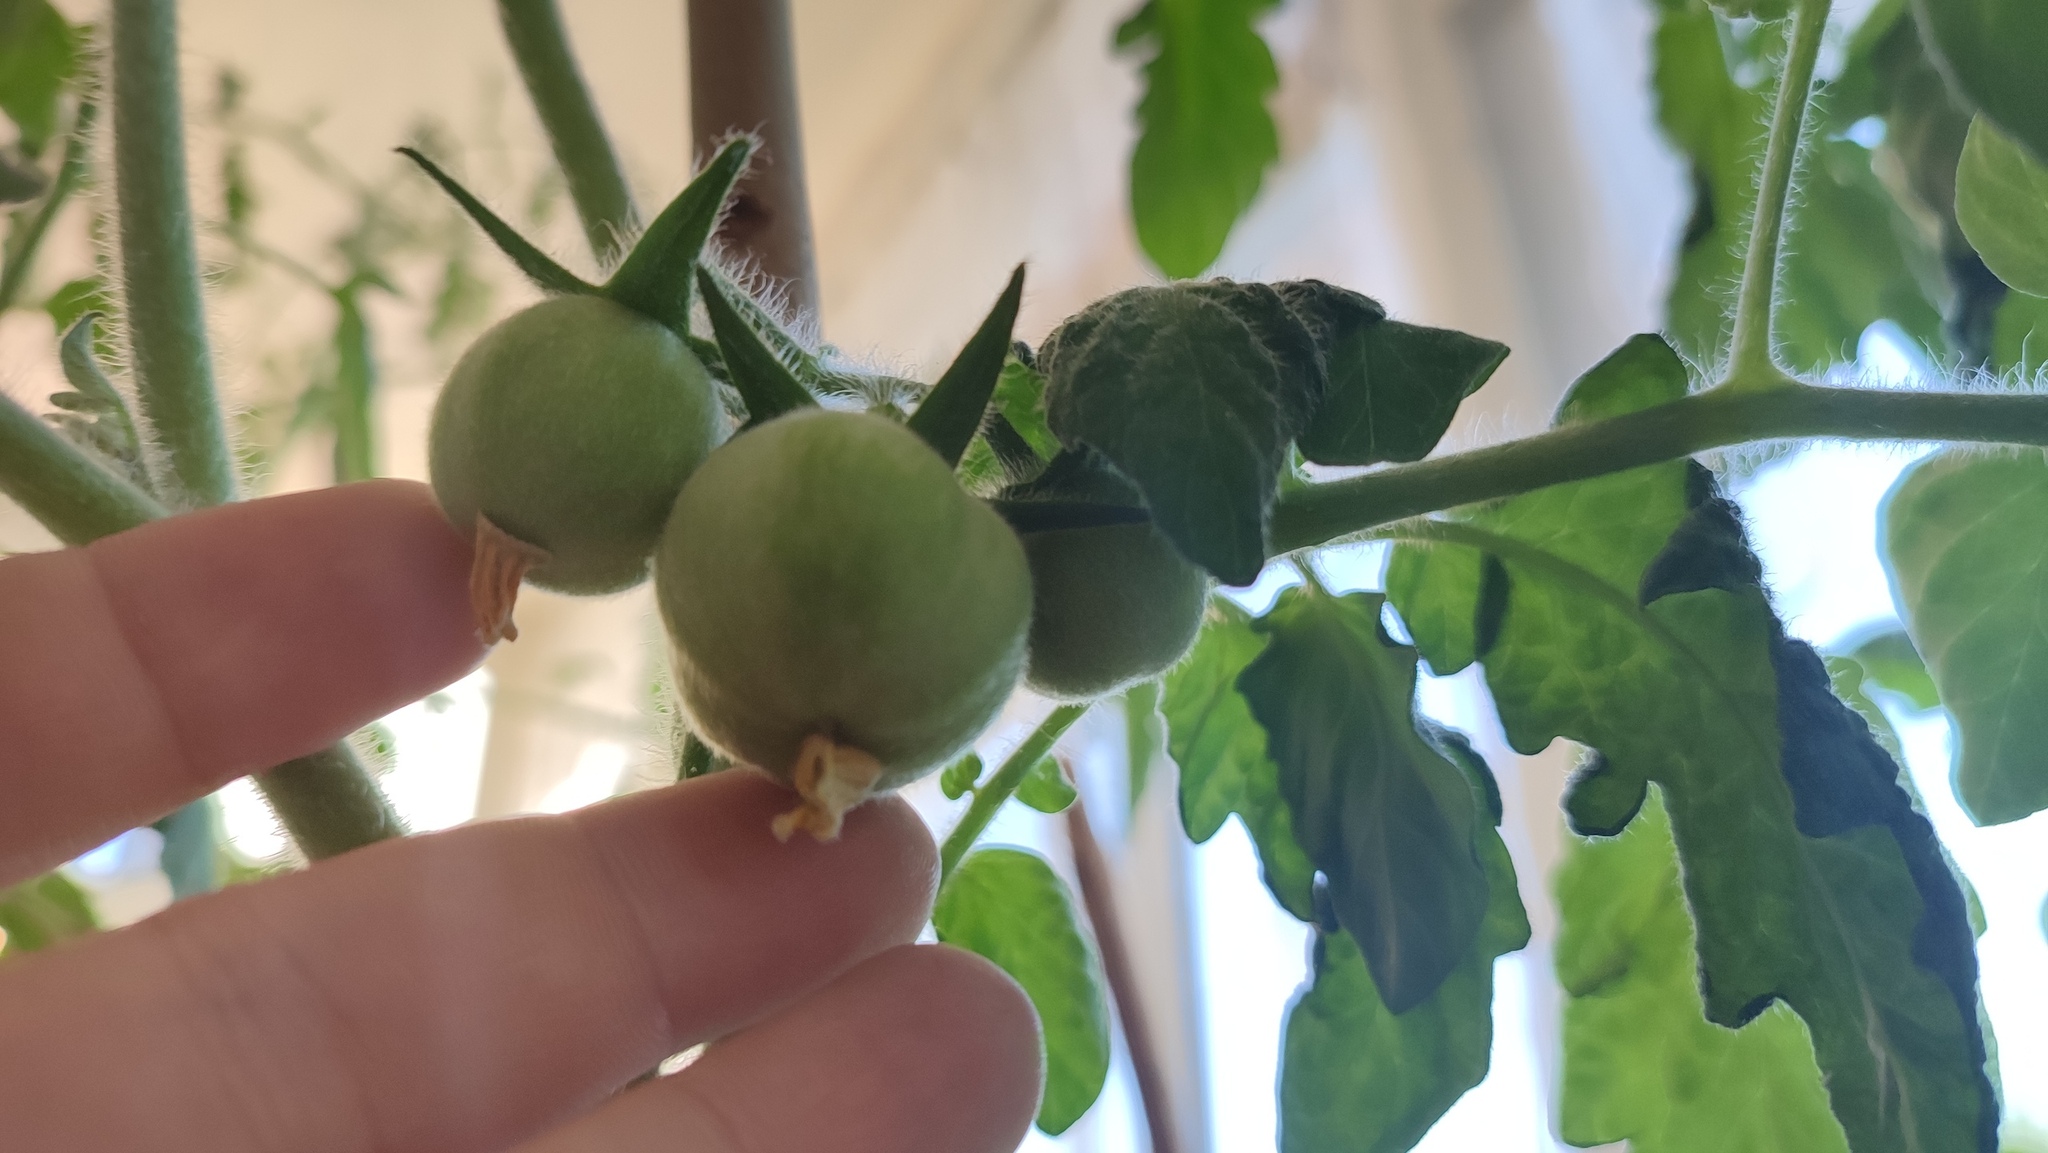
x=571 y=426
x=830 y=589
x=1111 y=606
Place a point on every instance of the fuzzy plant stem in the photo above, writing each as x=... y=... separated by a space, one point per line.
x=540 y=45
x=743 y=79
x=1717 y=418
x=21 y=256
x=1750 y=360
x=166 y=313
x=990 y=796
x=73 y=495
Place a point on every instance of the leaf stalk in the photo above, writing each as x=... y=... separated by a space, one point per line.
x=989 y=797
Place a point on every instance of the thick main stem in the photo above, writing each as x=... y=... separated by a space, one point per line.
x=1715 y=419
x=1749 y=354
x=166 y=314
x=990 y=796
x=743 y=79
x=597 y=184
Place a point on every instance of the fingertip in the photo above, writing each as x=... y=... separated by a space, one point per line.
x=970 y=1009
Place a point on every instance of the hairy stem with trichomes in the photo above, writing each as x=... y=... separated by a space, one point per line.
x=990 y=795
x=583 y=150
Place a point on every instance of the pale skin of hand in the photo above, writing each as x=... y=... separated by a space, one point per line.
x=490 y=988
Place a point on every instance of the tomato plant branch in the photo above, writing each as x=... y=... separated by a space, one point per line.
x=74 y=496
x=166 y=314
x=540 y=45
x=329 y=802
x=989 y=797
x=1749 y=354
x=1717 y=418
x=21 y=255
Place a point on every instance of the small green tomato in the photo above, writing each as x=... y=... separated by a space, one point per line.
x=1111 y=606
x=843 y=614
x=561 y=439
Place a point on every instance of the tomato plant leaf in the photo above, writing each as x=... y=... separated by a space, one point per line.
x=1966 y=536
x=1357 y=1078
x=657 y=276
x=1221 y=752
x=1196 y=393
x=1394 y=388
x=1812 y=878
x=766 y=383
x=1383 y=813
x=1020 y=400
x=1009 y=906
x=1046 y=787
x=2002 y=205
x=1207 y=136
x=539 y=267
x=38 y=913
x=1992 y=50
x=960 y=776
x=1890 y=662
x=20 y=180
x=1641 y=1062
x=1144 y=736
x=952 y=413
x=38 y=54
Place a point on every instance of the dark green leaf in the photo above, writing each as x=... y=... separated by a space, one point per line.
x=2002 y=205
x=1207 y=137
x=1046 y=787
x=1355 y=1077
x=1891 y=662
x=1144 y=736
x=1394 y=388
x=656 y=277
x=538 y=266
x=38 y=53
x=1195 y=392
x=1221 y=752
x=1992 y=50
x=1966 y=536
x=1641 y=1062
x=1009 y=906
x=1385 y=815
x=1812 y=878
x=952 y=413
x=764 y=381
x=39 y=913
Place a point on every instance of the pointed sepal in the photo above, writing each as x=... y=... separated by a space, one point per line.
x=952 y=413
x=764 y=382
x=538 y=266
x=655 y=278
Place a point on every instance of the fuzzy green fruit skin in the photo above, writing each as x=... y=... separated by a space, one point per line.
x=572 y=426
x=824 y=573
x=1111 y=606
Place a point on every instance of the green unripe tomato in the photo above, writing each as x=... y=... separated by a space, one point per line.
x=572 y=426
x=1111 y=606
x=825 y=576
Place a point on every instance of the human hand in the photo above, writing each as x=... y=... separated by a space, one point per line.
x=488 y=988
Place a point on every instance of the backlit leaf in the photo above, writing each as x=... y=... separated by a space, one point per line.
x=39 y=913
x=1009 y=906
x=1993 y=50
x=38 y=53
x=2002 y=204
x=1394 y=388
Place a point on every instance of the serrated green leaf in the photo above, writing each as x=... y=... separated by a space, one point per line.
x=38 y=54
x=1387 y=818
x=1221 y=752
x=951 y=414
x=1966 y=537
x=1641 y=1062
x=1009 y=906
x=960 y=776
x=1207 y=136
x=1196 y=392
x=1394 y=388
x=1992 y=50
x=1355 y=1077
x=1891 y=662
x=39 y=913
x=1812 y=878
x=2002 y=205
x=1046 y=788
x=656 y=278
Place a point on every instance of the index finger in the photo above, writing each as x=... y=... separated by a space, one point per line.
x=156 y=665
